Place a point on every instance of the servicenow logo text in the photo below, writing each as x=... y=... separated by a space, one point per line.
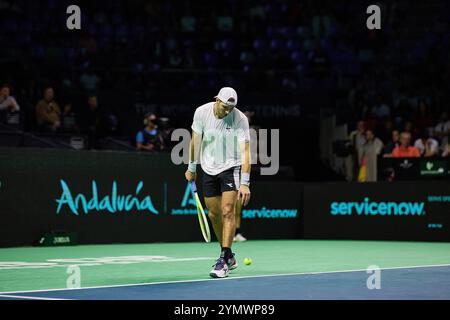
x=372 y=208
x=269 y=213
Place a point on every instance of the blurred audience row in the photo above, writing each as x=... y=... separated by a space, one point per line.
x=366 y=146
x=93 y=120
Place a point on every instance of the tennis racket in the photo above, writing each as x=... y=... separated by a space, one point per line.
x=201 y=214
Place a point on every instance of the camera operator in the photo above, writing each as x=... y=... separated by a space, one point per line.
x=149 y=138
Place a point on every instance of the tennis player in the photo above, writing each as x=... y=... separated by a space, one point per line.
x=221 y=140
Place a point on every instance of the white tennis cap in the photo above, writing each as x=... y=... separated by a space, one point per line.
x=228 y=96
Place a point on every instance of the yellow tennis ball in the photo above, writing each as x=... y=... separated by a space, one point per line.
x=247 y=261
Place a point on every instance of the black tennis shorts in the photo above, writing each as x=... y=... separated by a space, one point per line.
x=228 y=180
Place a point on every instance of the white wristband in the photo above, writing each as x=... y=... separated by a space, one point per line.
x=192 y=167
x=245 y=178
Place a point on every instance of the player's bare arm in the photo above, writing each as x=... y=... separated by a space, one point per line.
x=244 y=189
x=194 y=151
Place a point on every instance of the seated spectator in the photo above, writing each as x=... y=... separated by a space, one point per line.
x=48 y=114
x=188 y=22
x=370 y=151
x=94 y=122
x=7 y=102
x=442 y=129
x=69 y=122
x=423 y=119
x=405 y=150
x=149 y=138
x=383 y=130
x=409 y=127
x=380 y=109
x=224 y=22
x=89 y=80
x=318 y=59
x=428 y=147
x=175 y=59
x=257 y=12
x=446 y=152
x=392 y=144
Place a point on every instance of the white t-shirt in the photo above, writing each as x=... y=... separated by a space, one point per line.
x=443 y=127
x=434 y=145
x=5 y=103
x=222 y=138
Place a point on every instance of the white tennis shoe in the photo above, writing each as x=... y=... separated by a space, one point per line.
x=220 y=269
x=239 y=238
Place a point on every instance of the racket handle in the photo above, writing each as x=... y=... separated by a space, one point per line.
x=193 y=187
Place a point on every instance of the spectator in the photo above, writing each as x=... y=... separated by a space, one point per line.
x=318 y=59
x=175 y=58
x=69 y=122
x=7 y=102
x=446 y=152
x=188 y=21
x=405 y=150
x=427 y=146
x=254 y=132
x=94 y=121
x=257 y=12
x=380 y=109
x=409 y=127
x=392 y=144
x=224 y=22
x=357 y=140
x=370 y=151
x=165 y=131
x=358 y=137
x=250 y=115
x=423 y=120
x=149 y=138
x=442 y=129
x=383 y=130
x=48 y=114
x=89 y=80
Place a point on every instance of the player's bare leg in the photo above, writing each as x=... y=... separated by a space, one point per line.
x=224 y=228
x=214 y=205
x=229 y=199
x=238 y=213
x=238 y=237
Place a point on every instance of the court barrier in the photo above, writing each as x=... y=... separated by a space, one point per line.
x=120 y=197
x=126 y=197
x=413 y=169
x=413 y=210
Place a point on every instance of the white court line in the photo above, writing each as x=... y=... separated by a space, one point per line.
x=229 y=278
x=17 y=265
x=28 y=297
